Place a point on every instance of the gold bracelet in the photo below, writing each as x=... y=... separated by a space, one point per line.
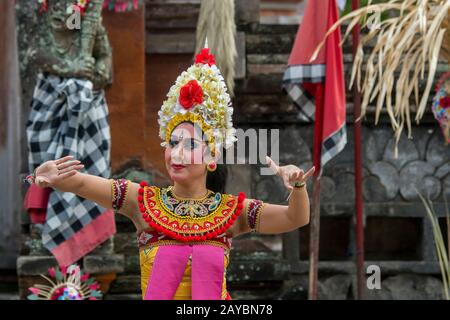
x=299 y=185
x=113 y=194
x=258 y=216
x=119 y=193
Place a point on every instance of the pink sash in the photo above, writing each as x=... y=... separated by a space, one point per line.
x=170 y=263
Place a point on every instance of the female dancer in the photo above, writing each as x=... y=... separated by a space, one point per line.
x=185 y=230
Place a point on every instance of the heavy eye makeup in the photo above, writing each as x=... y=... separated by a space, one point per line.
x=174 y=140
x=173 y=143
x=188 y=143
x=191 y=144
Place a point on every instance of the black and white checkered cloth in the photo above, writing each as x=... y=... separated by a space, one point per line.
x=68 y=118
x=293 y=78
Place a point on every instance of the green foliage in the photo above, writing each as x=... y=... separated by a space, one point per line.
x=363 y=3
x=439 y=243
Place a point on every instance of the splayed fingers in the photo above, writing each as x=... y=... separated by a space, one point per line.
x=299 y=176
x=309 y=173
x=63 y=159
x=54 y=171
x=272 y=165
x=290 y=173
x=69 y=166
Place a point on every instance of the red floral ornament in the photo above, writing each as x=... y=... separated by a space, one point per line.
x=149 y=217
x=445 y=102
x=190 y=94
x=205 y=57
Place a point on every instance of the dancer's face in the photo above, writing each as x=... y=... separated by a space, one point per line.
x=184 y=155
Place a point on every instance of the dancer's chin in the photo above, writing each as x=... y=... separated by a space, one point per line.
x=177 y=176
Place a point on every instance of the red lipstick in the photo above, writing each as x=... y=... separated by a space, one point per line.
x=178 y=166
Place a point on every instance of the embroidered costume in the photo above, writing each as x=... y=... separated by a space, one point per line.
x=187 y=254
x=184 y=253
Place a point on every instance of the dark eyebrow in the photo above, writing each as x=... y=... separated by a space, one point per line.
x=177 y=138
x=196 y=140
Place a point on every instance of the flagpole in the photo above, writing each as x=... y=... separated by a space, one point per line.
x=358 y=172
x=315 y=218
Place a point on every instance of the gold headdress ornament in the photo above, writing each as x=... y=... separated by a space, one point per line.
x=200 y=96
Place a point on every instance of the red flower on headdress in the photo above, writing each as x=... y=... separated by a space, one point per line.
x=205 y=57
x=190 y=94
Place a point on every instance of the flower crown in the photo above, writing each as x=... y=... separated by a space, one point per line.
x=200 y=96
x=79 y=5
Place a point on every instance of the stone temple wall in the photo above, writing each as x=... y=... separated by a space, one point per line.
x=398 y=236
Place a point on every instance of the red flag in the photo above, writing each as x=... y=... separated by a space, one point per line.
x=317 y=87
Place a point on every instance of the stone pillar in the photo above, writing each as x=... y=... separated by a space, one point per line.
x=126 y=97
x=10 y=112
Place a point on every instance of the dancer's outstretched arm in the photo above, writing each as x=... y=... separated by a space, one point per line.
x=62 y=174
x=274 y=219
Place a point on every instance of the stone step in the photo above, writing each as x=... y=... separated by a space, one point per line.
x=129 y=296
x=386 y=267
x=9 y=296
x=95 y=264
x=9 y=288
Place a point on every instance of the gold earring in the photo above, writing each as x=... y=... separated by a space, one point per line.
x=212 y=166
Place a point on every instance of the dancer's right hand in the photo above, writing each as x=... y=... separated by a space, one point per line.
x=51 y=172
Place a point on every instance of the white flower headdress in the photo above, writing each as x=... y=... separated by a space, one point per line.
x=200 y=96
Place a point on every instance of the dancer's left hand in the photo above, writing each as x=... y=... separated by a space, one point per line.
x=290 y=173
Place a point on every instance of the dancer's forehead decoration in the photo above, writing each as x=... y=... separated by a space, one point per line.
x=200 y=96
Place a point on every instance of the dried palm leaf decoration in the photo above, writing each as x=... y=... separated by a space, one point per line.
x=216 y=22
x=407 y=46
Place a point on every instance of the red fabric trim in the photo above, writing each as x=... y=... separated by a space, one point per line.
x=190 y=238
x=35 y=202
x=37 y=216
x=36 y=198
x=87 y=239
x=334 y=91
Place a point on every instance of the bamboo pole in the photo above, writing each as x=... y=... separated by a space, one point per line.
x=358 y=171
x=315 y=218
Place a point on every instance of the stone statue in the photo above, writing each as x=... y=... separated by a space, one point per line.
x=69 y=117
x=82 y=52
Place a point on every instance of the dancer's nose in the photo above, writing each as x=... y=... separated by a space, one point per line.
x=177 y=153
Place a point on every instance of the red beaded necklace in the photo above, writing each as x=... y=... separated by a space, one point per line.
x=188 y=230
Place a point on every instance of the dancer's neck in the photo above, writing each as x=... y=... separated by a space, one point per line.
x=190 y=191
